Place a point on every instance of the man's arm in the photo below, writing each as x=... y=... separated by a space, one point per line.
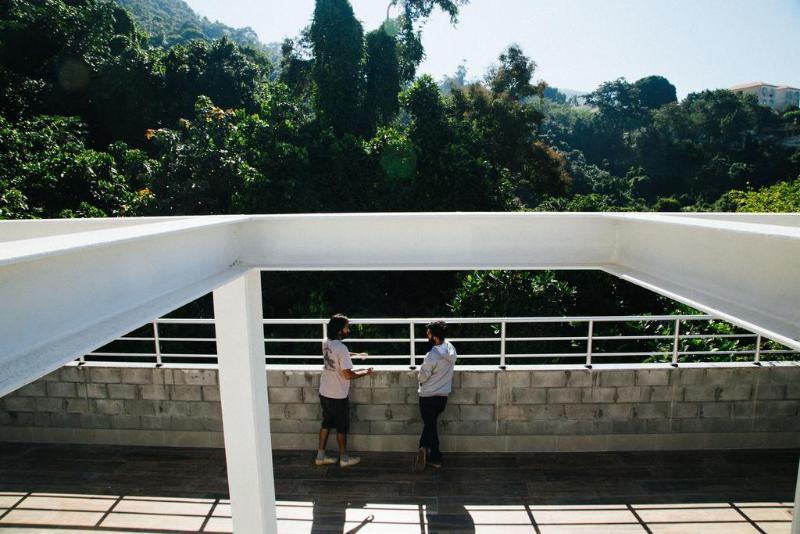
x=426 y=369
x=351 y=374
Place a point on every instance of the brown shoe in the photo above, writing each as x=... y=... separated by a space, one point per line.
x=419 y=459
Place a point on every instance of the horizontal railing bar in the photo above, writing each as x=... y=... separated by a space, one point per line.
x=490 y=320
x=204 y=339
x=184 y=321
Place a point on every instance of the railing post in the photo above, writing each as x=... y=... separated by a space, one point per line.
x=589 y=335
x=757 y=358
x=157 y=342
x=245 y=409
x=503 y=345
x=676 y=343
x=413 y=362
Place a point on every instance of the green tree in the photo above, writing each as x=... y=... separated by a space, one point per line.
x=337 y=39
x=383 y=78
x=780 y=197
x=655 y=91
x=513 y=75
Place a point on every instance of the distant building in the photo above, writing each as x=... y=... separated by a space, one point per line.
x=778 y=97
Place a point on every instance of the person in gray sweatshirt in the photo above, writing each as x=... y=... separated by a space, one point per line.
x=435 y=384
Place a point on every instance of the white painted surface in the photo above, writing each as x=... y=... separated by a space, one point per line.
x=66 y=294
x=245 y=413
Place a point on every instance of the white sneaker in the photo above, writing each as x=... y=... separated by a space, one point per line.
x=353 y=460
x=328 y=460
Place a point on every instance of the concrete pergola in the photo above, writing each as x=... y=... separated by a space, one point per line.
x=70 y=286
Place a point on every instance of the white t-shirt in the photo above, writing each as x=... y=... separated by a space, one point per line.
x=337 y=357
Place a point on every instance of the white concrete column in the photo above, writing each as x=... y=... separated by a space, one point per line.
x=796 y=511
x=245 y=413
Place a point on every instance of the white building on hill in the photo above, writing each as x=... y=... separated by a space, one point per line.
x=778 y=97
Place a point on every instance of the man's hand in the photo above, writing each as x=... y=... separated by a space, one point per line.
x=370 y=371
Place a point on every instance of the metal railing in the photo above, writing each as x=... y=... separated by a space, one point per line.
x=486 y=341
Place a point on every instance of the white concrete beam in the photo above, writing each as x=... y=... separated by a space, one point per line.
x=245 y=413
x=746 y=272
x=64 y=296
x=429 y=241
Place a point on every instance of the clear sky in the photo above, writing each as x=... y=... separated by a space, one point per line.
x=577 y=44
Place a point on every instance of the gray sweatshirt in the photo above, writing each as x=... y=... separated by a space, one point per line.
x=436 y=372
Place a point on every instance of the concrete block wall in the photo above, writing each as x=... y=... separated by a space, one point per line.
x=525 y=409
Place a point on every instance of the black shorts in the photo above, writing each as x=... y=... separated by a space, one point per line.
x=335 y=414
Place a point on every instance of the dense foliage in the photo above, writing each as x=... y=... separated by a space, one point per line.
x=151 y=110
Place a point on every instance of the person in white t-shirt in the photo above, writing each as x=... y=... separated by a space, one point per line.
x=334 y=388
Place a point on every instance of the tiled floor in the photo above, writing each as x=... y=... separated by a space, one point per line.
x=68 y=488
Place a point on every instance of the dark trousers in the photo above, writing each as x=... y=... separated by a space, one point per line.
x=430 y=408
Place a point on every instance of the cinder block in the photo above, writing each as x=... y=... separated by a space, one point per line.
x=160 y=376
x=598 y=394
x=97 y=391
x=682 y=410
x=567 y=427
x=194 y=377
x=521 y=428
x=41 y=419
x=121 y=391
x=779 y=424
x=65 y=420
x=368 y=412
x=278 y=411
x=303 y=412
x=563 y=396
x=71 y=374
x=357 y=396
x=404 y=412
x=76 y=405
x=205 y=409
x=770 y=392
x=61 y=389
x=153 y=422
x=714 y=410
x=629 y=394
x=34 y=389
x=478 y=379
x=105 y=375
x=653 y=377
x=311 y=395
x=690 y=376
x=783 y=408
x=487 y=396
x=215 y=425
x=578 y=412
x=736 y=392
x=520 y=379
x=615 y=411
x=629 y=426
x=20 y=419
x=152 y=392
x=529 y=395
x=173 y=408
x=658 y=393
x=132 y=422
x=512 y=413
x=286 y=395
x=784 y=374
x=48 y=404
x=394 y=427
x=140 y=407
x=408 y=379
x=186 y=393
x=95 y=421
x=276 y=378
x=742 y=410
x=463 y=396
x=578 y=379
x=546 y=411
x=288 y=426
x=457 y=428
x=616 y=378
x=723 y=376
x=485 y=428
x=297 y=379
x=548 y=379
x=135 y=375
x=26 y=404
x=383 y=379
x=388 y=396
x=210 y=393
x=108 y=406
x=476 y=413
x=701 y=393
x=651 y=410
x=183 y=424
x=659 y=426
